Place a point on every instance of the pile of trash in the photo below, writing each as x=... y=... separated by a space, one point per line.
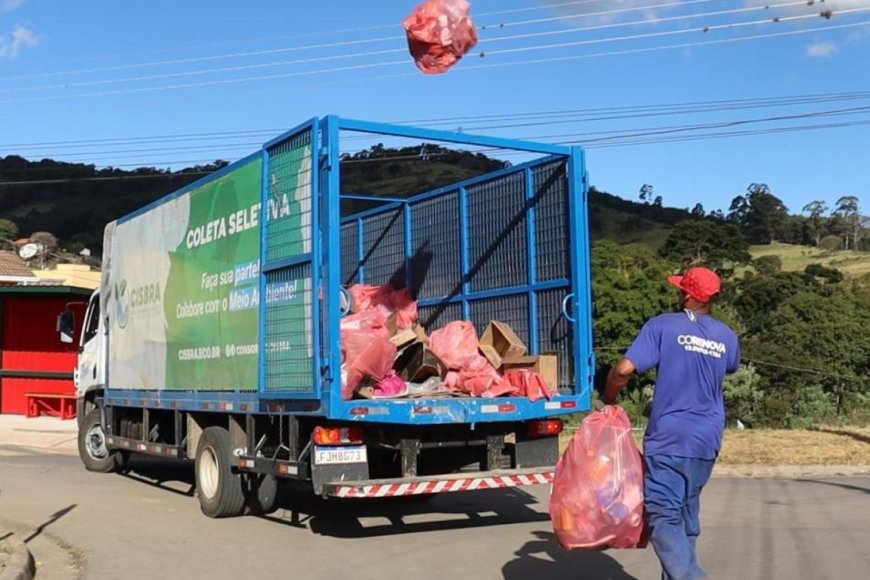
x=387 y=354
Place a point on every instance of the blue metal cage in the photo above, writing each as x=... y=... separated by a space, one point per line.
x=511 y=245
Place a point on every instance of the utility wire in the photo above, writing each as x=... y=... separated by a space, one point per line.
x=223 y=82
x=322 y=46
x=376 y=53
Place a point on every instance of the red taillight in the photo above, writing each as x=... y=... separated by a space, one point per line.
x=337 y=435
x=545 y=428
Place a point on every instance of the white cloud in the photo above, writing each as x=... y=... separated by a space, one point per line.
x=610 y=10
x=821 y=50
x=20 y=38
x=10 y=5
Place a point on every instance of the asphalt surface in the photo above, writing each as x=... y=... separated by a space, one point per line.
x=148 y=525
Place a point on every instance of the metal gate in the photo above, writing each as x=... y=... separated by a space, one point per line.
x=290 y=278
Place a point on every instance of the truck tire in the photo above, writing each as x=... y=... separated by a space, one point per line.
x=218 y=488
x=261 y=493
x=92 y=446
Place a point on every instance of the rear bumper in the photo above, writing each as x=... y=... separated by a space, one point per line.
x=439 y=484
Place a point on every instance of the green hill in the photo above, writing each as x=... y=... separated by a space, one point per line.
x=75 y=201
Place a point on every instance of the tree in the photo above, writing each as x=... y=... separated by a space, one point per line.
x=767 y=265
x=698 y=210
x=848 y=210
x=8 y=233
x=646 y=192
x=815 y=223
x=760 y=214
x=695 y=242
x=47 y=244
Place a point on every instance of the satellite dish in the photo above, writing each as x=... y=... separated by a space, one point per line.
x=28 y=251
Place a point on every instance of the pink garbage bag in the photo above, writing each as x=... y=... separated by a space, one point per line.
x=440 y=33
x=528 y=383
x=391 y=385
x=405 y=307
x=455 y=344
x=597 y=494
x=386 y=301
x=366 y=349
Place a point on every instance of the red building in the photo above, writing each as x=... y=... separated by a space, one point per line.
x=32 y=357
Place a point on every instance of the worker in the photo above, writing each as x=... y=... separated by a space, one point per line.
x=691 y=352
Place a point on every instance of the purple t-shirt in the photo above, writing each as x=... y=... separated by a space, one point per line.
x=692 y=353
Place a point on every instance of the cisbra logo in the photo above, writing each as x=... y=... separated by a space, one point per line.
x=122 y=303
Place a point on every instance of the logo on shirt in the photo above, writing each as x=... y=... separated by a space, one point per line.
x=705 y=346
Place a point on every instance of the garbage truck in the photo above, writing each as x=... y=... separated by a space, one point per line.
x=216 y=333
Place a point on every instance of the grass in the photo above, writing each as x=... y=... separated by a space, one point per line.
x=823 y=446
x=796 y=258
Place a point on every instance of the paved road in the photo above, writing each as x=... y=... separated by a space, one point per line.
x=147 y=525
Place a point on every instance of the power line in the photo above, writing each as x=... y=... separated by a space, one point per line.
x=704 y=29
x=805 y=370
x=344 y=43
x=222 y=82
x=329 y=58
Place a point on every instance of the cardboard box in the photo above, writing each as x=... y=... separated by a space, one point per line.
x=422 y=337
x=417 y=363
x=499 y=342
x=545 y=364
x=491 y=355
x=404 y=338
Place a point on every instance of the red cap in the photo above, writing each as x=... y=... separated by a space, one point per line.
x=701 y=284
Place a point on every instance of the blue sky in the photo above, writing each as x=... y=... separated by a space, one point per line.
x=50 y=91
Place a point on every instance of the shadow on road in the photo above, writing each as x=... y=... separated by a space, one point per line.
x=839 y=484
x=544 y=558
x=363 y=518
x=54 y=517
x=160 y=472
x=389 y=516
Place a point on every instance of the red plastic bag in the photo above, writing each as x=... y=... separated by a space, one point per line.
x=455 y=344
x=440 y=32
x=528 y=383
x=366 y=348
x=386 y=301
x=597 y=497
x=480 y=379
x=405 y=308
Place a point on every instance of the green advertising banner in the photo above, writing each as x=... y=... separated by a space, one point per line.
x=182 y=283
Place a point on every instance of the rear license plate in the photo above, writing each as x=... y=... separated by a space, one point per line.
x=333 y=455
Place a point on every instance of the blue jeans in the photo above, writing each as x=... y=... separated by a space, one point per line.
x=672 y=496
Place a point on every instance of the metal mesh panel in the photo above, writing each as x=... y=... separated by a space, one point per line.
x=288 y=342
x=434 y=317
x=289 y=198
x=551 y=221
x=350 y=253
x=436 y=268
x=512 y=310
x=384 y=249
x=557 y=335
x=498 y=256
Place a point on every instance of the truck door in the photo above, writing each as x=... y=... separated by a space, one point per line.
x=89 y=370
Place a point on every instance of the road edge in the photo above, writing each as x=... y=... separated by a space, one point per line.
x=21 y=565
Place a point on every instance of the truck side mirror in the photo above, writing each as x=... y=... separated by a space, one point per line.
x=66 y=324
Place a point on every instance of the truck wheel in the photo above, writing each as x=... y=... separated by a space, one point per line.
x=261 y=493
x=92 y=446
x=219 y=489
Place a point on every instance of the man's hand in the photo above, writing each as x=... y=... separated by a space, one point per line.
x=617 y=378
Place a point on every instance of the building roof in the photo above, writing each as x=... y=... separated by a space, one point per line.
x=13 y=266
x=79 y=275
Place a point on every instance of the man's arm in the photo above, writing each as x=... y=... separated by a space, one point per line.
x=617 y=378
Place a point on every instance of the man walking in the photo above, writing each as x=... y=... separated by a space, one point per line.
x=692 y=352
